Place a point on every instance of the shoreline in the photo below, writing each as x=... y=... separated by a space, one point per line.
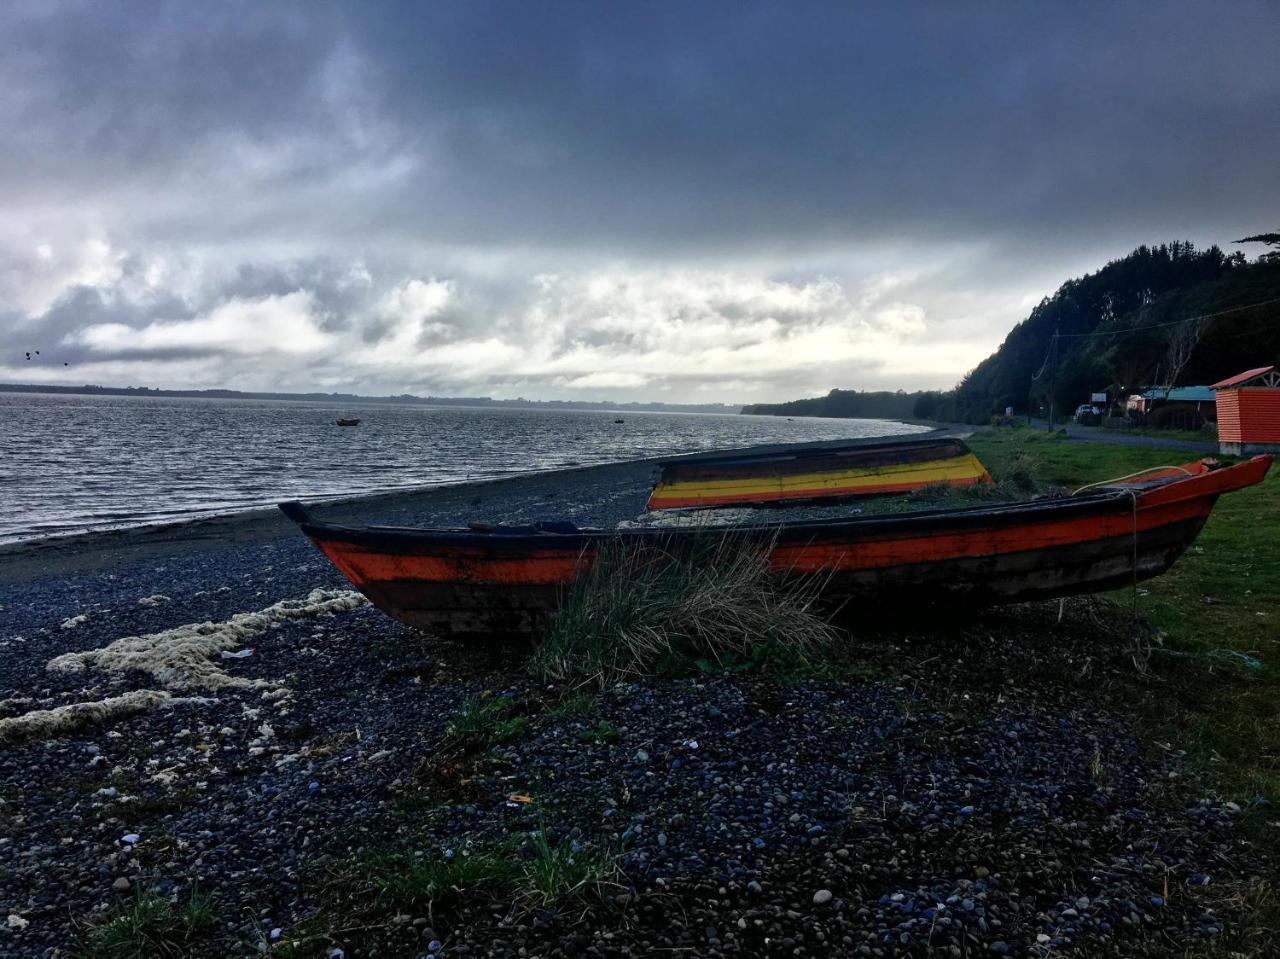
x=85 y=552
x=24 y=560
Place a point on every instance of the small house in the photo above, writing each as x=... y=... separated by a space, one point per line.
x=1249 y=412
x=1192 y=399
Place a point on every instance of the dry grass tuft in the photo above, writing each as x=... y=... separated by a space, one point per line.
x=640 y=608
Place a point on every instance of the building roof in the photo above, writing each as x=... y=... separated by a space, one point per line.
x=1240 y=378
x=1180 y=394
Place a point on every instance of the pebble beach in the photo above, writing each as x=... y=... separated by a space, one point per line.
x=963 y=788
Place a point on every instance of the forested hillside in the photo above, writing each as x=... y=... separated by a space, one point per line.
x=1165 y=315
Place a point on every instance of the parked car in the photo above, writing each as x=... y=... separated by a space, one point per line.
x=1088 y=414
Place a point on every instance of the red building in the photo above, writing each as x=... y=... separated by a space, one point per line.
x=1249 y=412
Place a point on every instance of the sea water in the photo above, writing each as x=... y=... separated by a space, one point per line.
x=75 y=463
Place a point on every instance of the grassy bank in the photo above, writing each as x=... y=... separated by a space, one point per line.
x=1214 y=681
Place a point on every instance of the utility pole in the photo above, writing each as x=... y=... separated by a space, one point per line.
x=1053 y=374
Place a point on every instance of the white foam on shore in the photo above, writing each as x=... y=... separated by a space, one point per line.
x=47 y=723
x=181 y=658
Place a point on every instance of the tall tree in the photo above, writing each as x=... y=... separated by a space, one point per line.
x=1183 y=341
x=1271 y=239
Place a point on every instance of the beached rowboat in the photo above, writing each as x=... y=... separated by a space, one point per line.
x=482 y=583
x=816 y=472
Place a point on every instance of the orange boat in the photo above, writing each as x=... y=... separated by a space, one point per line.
x=503 y=582
x=814 y=472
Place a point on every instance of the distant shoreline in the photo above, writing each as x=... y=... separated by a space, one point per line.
x=405 y=399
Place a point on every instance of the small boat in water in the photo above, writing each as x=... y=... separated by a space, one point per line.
x=825 y=471
x=348 y=422
x=482 y=582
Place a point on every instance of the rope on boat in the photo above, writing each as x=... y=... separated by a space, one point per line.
x=1121 y=479
x=1133 y=499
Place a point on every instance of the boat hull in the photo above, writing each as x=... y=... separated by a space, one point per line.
x=828 y=472
x=469 y=584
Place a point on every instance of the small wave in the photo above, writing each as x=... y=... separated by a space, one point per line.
x=98 y=469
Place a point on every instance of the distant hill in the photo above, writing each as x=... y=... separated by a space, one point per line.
x=852 y=404
x=402 y=398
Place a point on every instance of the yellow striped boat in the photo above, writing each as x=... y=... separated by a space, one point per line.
x=793 y=475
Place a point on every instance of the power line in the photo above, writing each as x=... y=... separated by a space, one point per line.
x=1053 y=342
x=1051 y=352
x=1157 y=326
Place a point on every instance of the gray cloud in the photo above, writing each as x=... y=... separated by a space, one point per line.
x=171 y=164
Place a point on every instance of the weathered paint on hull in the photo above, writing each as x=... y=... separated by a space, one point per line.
x=830 y=473
x=827 y=484
x=472 y=584
x=471 y=610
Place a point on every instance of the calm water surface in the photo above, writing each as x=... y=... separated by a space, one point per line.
x=74 y=463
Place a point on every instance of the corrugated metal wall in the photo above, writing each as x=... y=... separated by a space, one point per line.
x=1250 y=415
x=1229 y=416
x=1259 y=415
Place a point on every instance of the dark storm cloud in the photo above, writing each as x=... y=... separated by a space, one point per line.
x=763 y=122
x=170 y=161
x=83 y=306
x=340 y=294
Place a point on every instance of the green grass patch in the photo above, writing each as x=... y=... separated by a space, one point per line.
x=573 y=706
x=151 y=927
x=492 y=723
x=551 y=873
x=405 y=882
x=528 y=870
x=602 y=732
x=1059 y=461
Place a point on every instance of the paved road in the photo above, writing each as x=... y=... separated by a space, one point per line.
x=1118 y=437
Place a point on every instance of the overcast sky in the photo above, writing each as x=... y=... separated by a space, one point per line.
x=680 y=201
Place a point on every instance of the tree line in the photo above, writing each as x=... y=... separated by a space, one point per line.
x=852 y=404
